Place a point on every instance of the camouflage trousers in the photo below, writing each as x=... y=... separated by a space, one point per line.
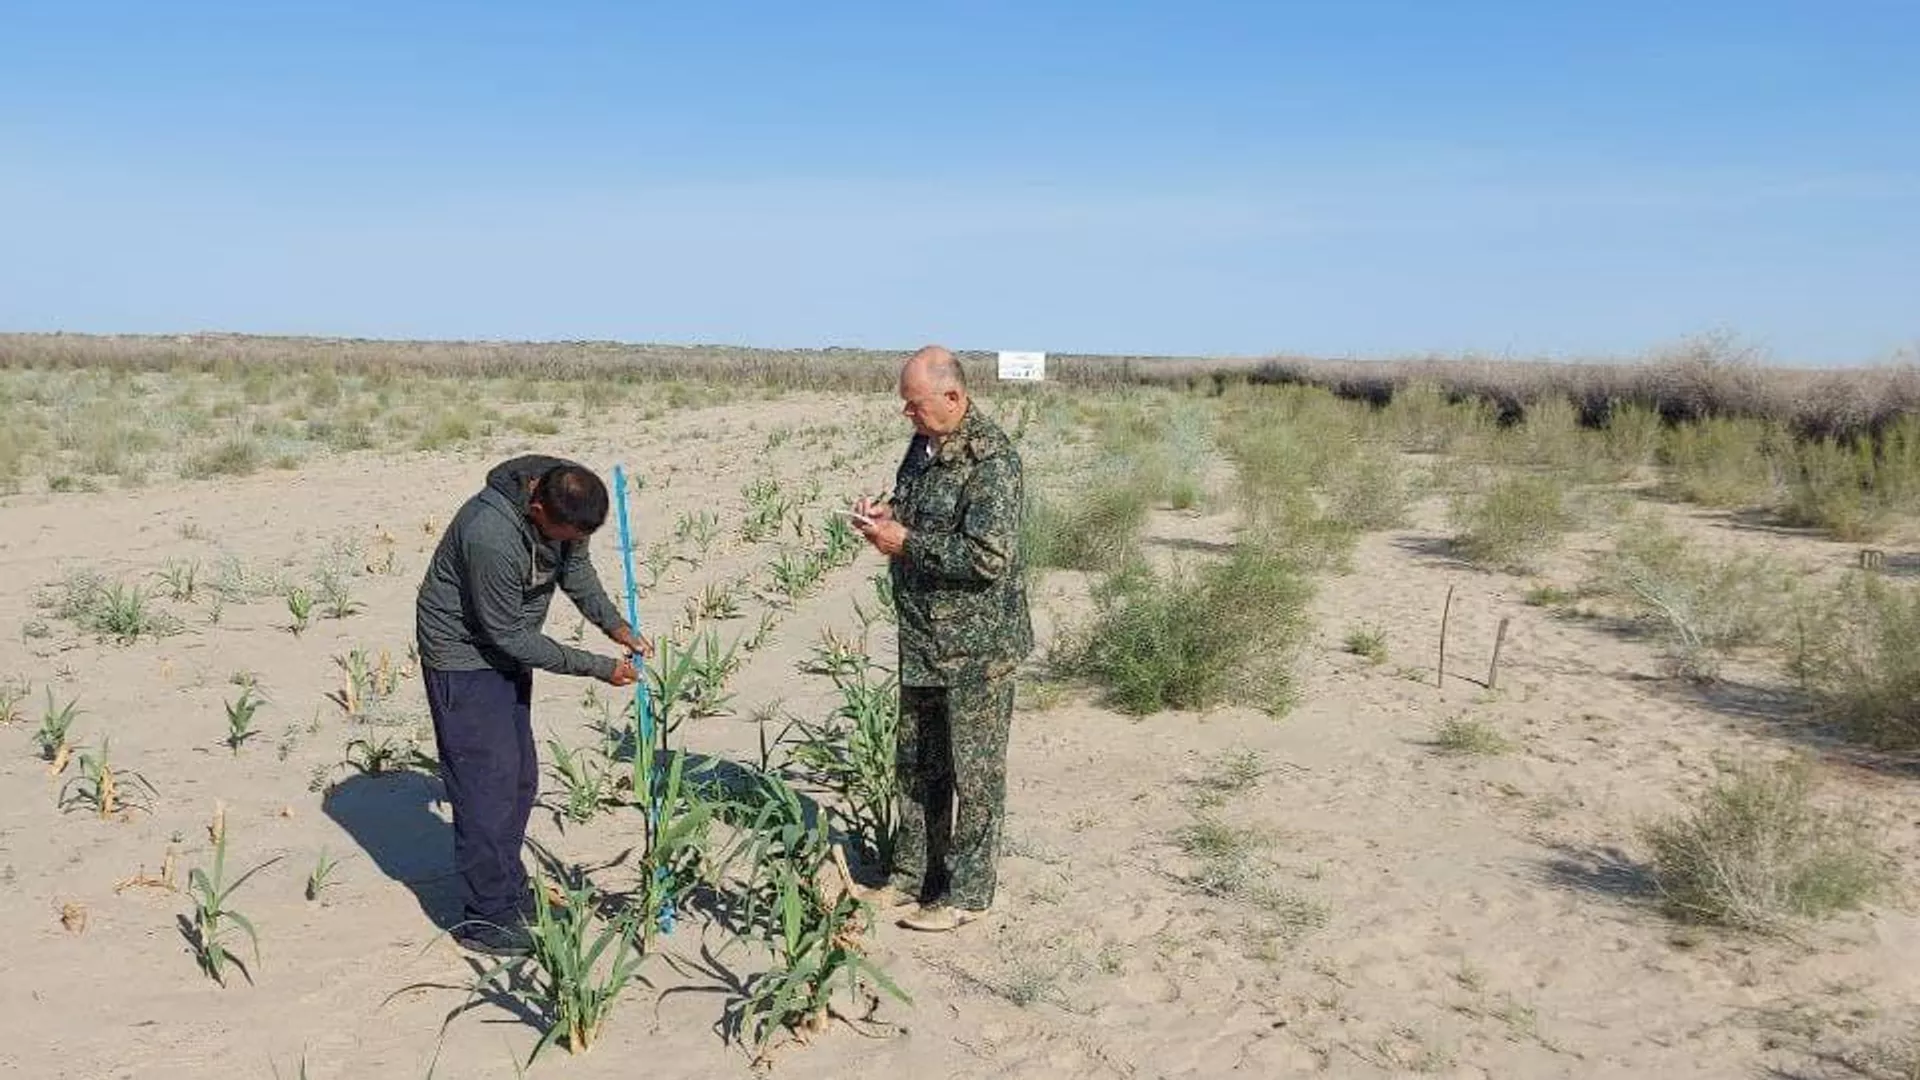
x=951 y=759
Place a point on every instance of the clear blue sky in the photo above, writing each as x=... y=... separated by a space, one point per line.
x=1362 y=178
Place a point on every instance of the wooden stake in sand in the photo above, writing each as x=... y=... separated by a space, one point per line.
x=1493 y=669
x=1446 y=613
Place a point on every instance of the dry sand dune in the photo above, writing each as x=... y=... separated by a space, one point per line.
x=1420 y=913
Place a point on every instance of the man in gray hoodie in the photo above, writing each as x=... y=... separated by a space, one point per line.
x=478 y=623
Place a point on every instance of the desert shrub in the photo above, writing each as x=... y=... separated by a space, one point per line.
x=1093 y=530
x=1721 y=462
x=1631 y=438
x=1704 y=607
x=1422 y=420
x=1369 y=490
x=1856 y=649
x=1519 y=517
x=1188 y=640
x=1831 y=485
x=1753 y=852
x=235 y=455
x=1550 y=437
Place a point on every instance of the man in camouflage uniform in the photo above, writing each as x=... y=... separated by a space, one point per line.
x=951 y=531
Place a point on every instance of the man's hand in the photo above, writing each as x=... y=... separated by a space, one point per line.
x=873 y=511
x=633 y=643
x=888 y=537
x=624 y=673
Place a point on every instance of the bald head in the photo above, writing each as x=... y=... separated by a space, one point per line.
x=933 y=387
x=937 y=366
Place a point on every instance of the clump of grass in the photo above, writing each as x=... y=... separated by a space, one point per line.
x=12 y=693
x=1754 y=853
x=1856 y=650
x=1368 y=641
x=1518 y=518
x=1470 y=735
x=1230 y=774
x=114 y=610
x=1224 y=855
x=300 y=607
x=1193 y=640
x=235 y=455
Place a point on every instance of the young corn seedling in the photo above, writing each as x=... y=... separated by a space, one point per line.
x=213 y=917
x=883 y=594
x=766 y=510
x=762 y=635
x=55 y=724
x=795 y=574
x=716 y=602
x=836 y=655
x=851 y=754
x=588 y=787
x=677 y=848
x=842 y=543
x=700 y=529
x=103 y=789
x=240 y=719
x=389 y=754
x=713 y=667
x=817 y=950
x=577 y=969
x=300 y=606
x=321 y=876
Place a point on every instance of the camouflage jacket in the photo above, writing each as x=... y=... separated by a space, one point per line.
x=959 y=586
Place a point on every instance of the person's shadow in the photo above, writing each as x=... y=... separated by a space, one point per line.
x=391 y=816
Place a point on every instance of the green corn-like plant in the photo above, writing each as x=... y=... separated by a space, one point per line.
x=213 y=916
x=240 y=719
x=587 y=786
x=851 y=754
x=817 y=951
x=300 y=606
x=55 y=723
x=103 y=789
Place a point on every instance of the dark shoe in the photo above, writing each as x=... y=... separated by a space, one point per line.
x=494 y=940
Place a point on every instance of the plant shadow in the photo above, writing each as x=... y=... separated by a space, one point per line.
x=391 y=817
x=1603 y=871
x=1788 y=714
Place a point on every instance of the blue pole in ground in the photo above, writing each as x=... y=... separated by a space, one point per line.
x=643 y=749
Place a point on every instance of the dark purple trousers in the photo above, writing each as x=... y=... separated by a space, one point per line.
x=483 y=727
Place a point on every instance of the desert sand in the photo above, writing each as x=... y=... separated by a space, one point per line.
x=1436 y=915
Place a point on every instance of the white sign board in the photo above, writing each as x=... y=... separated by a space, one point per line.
x=1023 y=367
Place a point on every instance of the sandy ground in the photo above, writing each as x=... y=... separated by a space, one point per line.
x=1425 y=914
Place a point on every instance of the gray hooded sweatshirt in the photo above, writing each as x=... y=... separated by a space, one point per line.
x=485 y=594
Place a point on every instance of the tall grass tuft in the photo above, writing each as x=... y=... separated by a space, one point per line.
x=1754 y=853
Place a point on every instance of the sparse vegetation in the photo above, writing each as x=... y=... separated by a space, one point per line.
x=1369 y=642
x=1226 y=631
x=1518 y=518
x=1856 y=649
x=1754 y=852
x=213 y=917
x=1469 y=735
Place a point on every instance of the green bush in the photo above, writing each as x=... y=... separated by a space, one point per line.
x=1517 y=518
x=1857 y=651
x=1224 y=632
x=1754 y=853
x=1722 y=462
